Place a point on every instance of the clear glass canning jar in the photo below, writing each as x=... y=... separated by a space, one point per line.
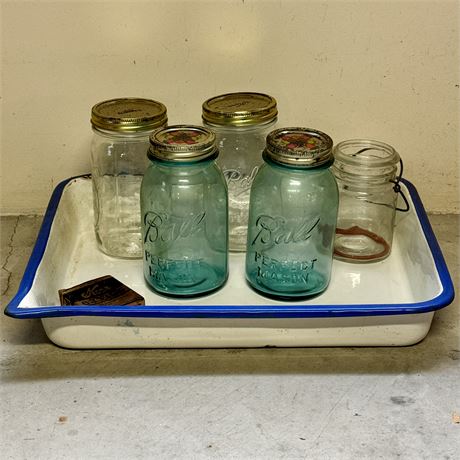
x=366 y=174
x=121 y=129
x=292 y=215
x=184 y=213
x=241 y=122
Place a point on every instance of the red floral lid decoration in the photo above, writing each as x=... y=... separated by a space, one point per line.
x=299 y=147
x=299 y=141
x=183 y=137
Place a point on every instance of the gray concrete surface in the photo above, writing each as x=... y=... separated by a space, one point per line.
x=329 y=403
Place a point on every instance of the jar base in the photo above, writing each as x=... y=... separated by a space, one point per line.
x=127 y=245
x=279 y=291
x=359 y=245
x=174 y=283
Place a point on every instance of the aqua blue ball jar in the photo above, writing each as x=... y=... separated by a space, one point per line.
x=184 y=213
x=292 y=215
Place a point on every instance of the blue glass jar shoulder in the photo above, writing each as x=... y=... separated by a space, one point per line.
x=273 y=180
x=206 y=171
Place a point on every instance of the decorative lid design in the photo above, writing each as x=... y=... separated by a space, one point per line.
x=182 y=143
x=128 y=115
x=300 y=147
x=240 y=109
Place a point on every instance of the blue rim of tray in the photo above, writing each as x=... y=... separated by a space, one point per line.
x=285 y=310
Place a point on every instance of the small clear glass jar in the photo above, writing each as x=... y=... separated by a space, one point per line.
x=121 y=129
x=184 y=213
x=241 y=122
x=366 y=174
x=292 y=215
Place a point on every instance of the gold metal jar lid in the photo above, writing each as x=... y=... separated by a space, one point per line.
x=182 y=143
x=128 y=115
x=240 y=109
x=299 y=147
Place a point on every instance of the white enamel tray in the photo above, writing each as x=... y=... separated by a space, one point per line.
x=385 y=303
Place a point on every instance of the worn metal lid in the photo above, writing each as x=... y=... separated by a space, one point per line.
x=300 y=147
x=182 y=143
x=127 y=115
x=240 y=109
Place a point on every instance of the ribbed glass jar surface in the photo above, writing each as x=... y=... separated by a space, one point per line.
x=121 y=129
x=241 y=122
x=365 y=171
x=292 y=219
x=184 y=219
x=118 y=164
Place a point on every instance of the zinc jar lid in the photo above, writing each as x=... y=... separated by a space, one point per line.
x=299 y=147
x=128 y=115
x=240 y=109
x=182 y=143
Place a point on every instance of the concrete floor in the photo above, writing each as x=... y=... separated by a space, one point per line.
x=344 y=403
